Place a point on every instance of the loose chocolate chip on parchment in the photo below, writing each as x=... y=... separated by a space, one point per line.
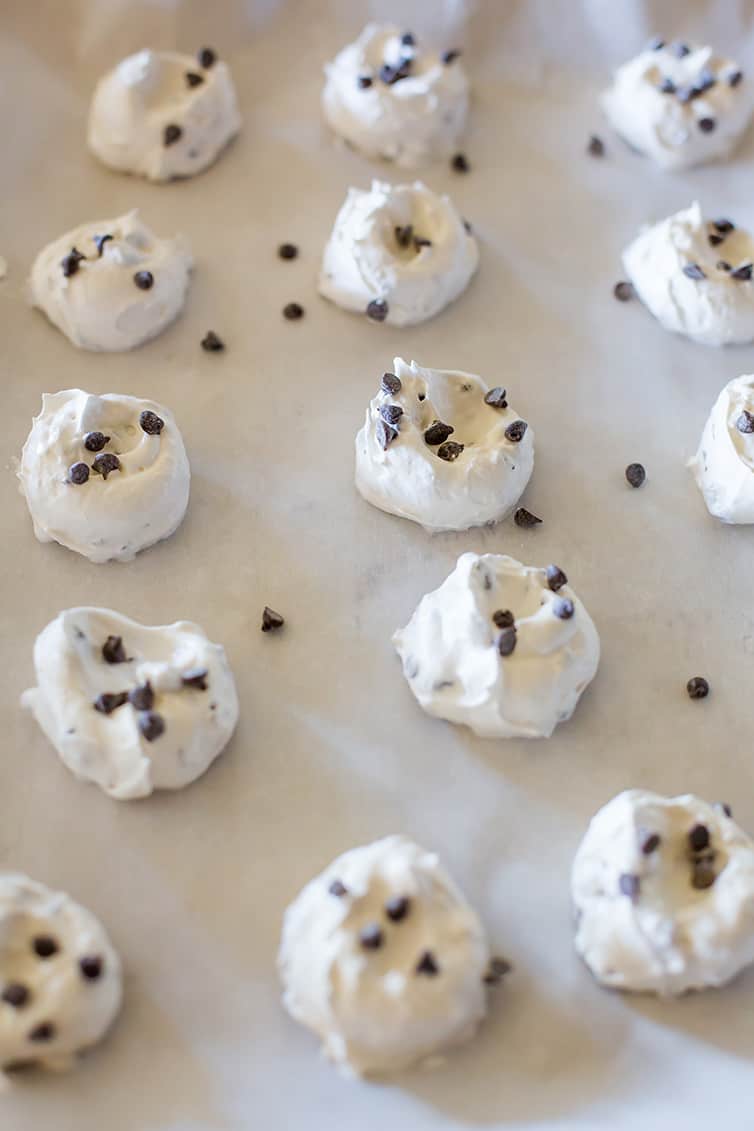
x=171 y=134
x=623 y=291
x=271 y=620
x=635 y=474
x=506 y=641
x=460 y=163
x=212 y=343
x=338 y=888
x=525 y=518
x=287 y=251
x=697 y=687
x=390 y=384
x=151 y=725
x=292 y=311
x=450 y=56
x=496 y=971
x=206 y=57
x=427 y=965
x=595 y=146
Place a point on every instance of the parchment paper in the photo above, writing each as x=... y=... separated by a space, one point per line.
x=332 y=750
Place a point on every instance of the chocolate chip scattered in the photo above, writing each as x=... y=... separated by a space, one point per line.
x=194 y=79
x=693 y=271
x=629 y=884
x=171 y=134
x=650 y=842
x=725 y=808
x=206 y=57
x=70 y=262
x=516 y=431
x=404 y=235
x=503 y=618
x=680 y=50
x=384 y=434
x=151 y=423
x=450 y=451
x=420 y=242
x=724 y=226
x=714 y=239
x=742 y=272
x=144 y=280
x=467 y=227
x=623 y=291
x=15 y=994
x=697 y=687
x=364 y=82
x=78 y=473
x=391 y=414
x=109 y=701
x=45 y=946
x=635 y=474
x=735 y=77
x=288 y=251
x=408 y=40
x=450 y=56
x=706 y=125
x=391 y=384
x=91 y=966
x=703 y=875
x=271 y=620
x=699 y=838
x=667 y=86
x=496 y=971
x=563 y=608
x=142 y=698
x=556 y=578
x=99 y=243
x=370 y=936
x=377 y=310
x=43 y=1032
x=437 y=433
x=196 y=678
x=596 y=146
x=212 y=343
x=525 y=518
x=151 y=725
x=656 y=44
x=495 y=398
x=338 y=888
x=427 y=964
x=397 y=908
x=95 y=441
x=745 y=422
x=460 y=164
x=113 y=651
x=293 y=311
x=105 y=463
x=723 y=265
x=506 y=641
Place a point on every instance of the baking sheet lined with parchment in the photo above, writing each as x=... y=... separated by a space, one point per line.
x=332 y=750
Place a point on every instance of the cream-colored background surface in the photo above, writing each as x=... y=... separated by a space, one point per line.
x=332 y=750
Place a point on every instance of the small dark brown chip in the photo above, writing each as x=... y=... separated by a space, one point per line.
x=151 y=423
x=496 y=398
x=525 y=518
x=699 y=838
x=113 y=651
x=293 y=311
x=271 y=620
x=95 y=441
x=724 y=226
x=723 y=265
x=707 y=125
x=338 y=888
x=563 y=607
x=697 y=687
x=404 y=235
x=629 y=884
x=725 y=808
x=144 y=280
x=371 y=937
x=109 y=701
x=171 y=134
x=743 y=272
x=623 y=291
x=408 y=39
x=448 y=57
x=212 y=343
x=45 y=946
x=693 y=271
x=15 y=994
x=151 y=725
x=377 y=310
x=596 y=146
x=496 y=971
x=655 y=44
x=391 y=384
x=206 y=57
x=384 y=434
x=193 y=78
x=70 y=262
x=556 y=578
x=142 y=697
x=503 y=618
x=715 y=239
x=460 y=163
x=734 y=78
x=745 y=422
x=667 y=86
x=427 y=964
x=105 y=463
x=43 y=1032
x=78 y=473
x=437 y=433
x=703 y=875
x=649 y=843
x=391 y=414
x=516 y=431
x=680 y=50
x=449 y=451
x=91 y=967
x=99 y=243
x=506 y=641
x=364 y=82
x=420 y=242
x=635 y=474
x=467 y=227
x=287 y=251
x=398 y=908
x=195 y=678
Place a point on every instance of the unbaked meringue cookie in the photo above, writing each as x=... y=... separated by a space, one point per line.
x=129 y=707
x=680 y=104
x=111 y=284
x=501 y=647
x=663 y=890
x=724 y=464
x=695 y=275
x=105 y=476
x=389 y=97
x=383 y=958
x=399 y=253
x=161 y=114
x=442 y=448
x=60 y=977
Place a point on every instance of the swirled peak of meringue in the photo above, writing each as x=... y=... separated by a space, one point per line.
x=161 y=114
x=501 y=647
x=400 y=246
x=724 y=463
x=383 y=958
x=695 y=276
x=391 y=96
x=60 y=976
x=406 y=466
x=680 y=104
x=111 y=284
x=130 y=707
x=663 y=890
x=116 y=514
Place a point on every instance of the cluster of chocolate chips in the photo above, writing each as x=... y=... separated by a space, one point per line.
x=105 y=462
x=704 y=81
x=717 y=231
x=69 y=264
x=745 y=422
x=206 y=58
x=372 y=936
x=699 y=852
x=562 y=607
x=391 y=73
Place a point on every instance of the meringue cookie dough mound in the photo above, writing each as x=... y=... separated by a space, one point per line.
x=129 y=707
x=161 y=114
x=390 y=97
x=111 y=284
x=680 y=104
x=383 y=958
x=105 y=476
x=663 y=890
x=503 y=648
x=399 y=253
x=724 y=464
x=695 y=276
x=442 y=449
x=60 y=978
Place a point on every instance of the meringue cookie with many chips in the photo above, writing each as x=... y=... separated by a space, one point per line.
x=681 y=104
x=695 y=276
x=105 y=476
x=398 y=253
x=663 y=891
x=501 y=647
x=443 y=449
x=161 y=114
x=390 y=97
x=724 y=463
x=384 y=960
x=60 y=976
x=111 y=284
x=130 y=707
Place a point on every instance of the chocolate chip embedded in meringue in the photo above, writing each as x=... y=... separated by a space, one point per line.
x=193 y=78
x=271 y=620
x=563 y=607
x=99 y=243
x=703 y=874
x=629 y=884
x=91 y=967
x=364 y=82
x=171 y=134
x=371 y=937
x=151 y=725
x=144 y=280
x=78 y=473
x=384 y=434
x=212 y=343
x=437 y=433
x=649 y=843
x=693 y=271
x=397 y=908
x=450 y=451
x=503 y=618
x=113 y=651
x=391 y=384
x=556 y=578
x=70 y=262
x=105 y=463
x=735 y=77
x=95 y=441
x=151 y=423
x=43 y=1032
x=635 y=474
x=16 y=995
x=377 y=310
x=45 y=946
x=496 y=971
x=516 y=431
x=391 y=414
x=450 y=56
x=506 y=641
x=743 y=272
x=338 y=889
x=293 y=311
x=745 y=422
x=496 y=398
x=109 y=701
x=196 y=678
x=707 y=125
x=699 y=838
x=427 y=965
x=142 y=697
x=207 y=57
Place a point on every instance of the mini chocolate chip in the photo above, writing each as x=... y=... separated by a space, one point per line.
x=629 y=884
x=207 y=57
x=496 y=971
x=70 y=262
x=338 y=888
x=171 y=134
x=211 y=343
x=78 y=473
x=693 y=271
x=745 y=422
x=404 y=235
x=95 y=441
x=408 y=40
x=271 y=620
x=397 y=908
x=714 y=239
x=563 y=607
x=495 y=398
x=287 y=251
x=516 y=431
x=144 y=280
x=388 y=74
x=680 y=50
x=45 y=946
x=460 y=164
x=596 y=146
x=437 y=433
x=649 y=843
x=427 y=964
x=391 y=414
x=421 y=396
x=699 y=838
x=377 y=310
x=655 y=44
x=16 y=995
x=525 y=518
x=151 y=725
x=624 y=291
x=506 y=641
x=723 y=265
x=703 y=875
x=109 y=701
x=742 y=272
x=420 y=242
x=370 y=936
x=635 y=474
x=364 y=82
x=196 y=678
x=105 y=463
x=151 y=423
x=43 y=1032
x=91 y=966
x=450 y=56
x=735 y=77
x=707 y=125
x=390 y=384
x=194 y=79
x=99 y=243
x=293 y=311
x=384 y=434
x=503 y=618
x=450 y=451
x=142 y=698
x=467 y=227
x=723 y=225
x=697 y=687
x=556 y=579
x=113 y=651
x=725 y=808
x=667 y=86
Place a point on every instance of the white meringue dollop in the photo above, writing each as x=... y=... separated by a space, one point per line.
x=111 y=284
x=695 y=276
x=383 y=958
x=60 y=977
x=112 y=513
x=433 y=450
x=681 y=105
x=129 y=707
x=161 y=114
x=724 y=463
x=501 y=647
x=663 y=890
x=399 y=253
x=394 y=99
